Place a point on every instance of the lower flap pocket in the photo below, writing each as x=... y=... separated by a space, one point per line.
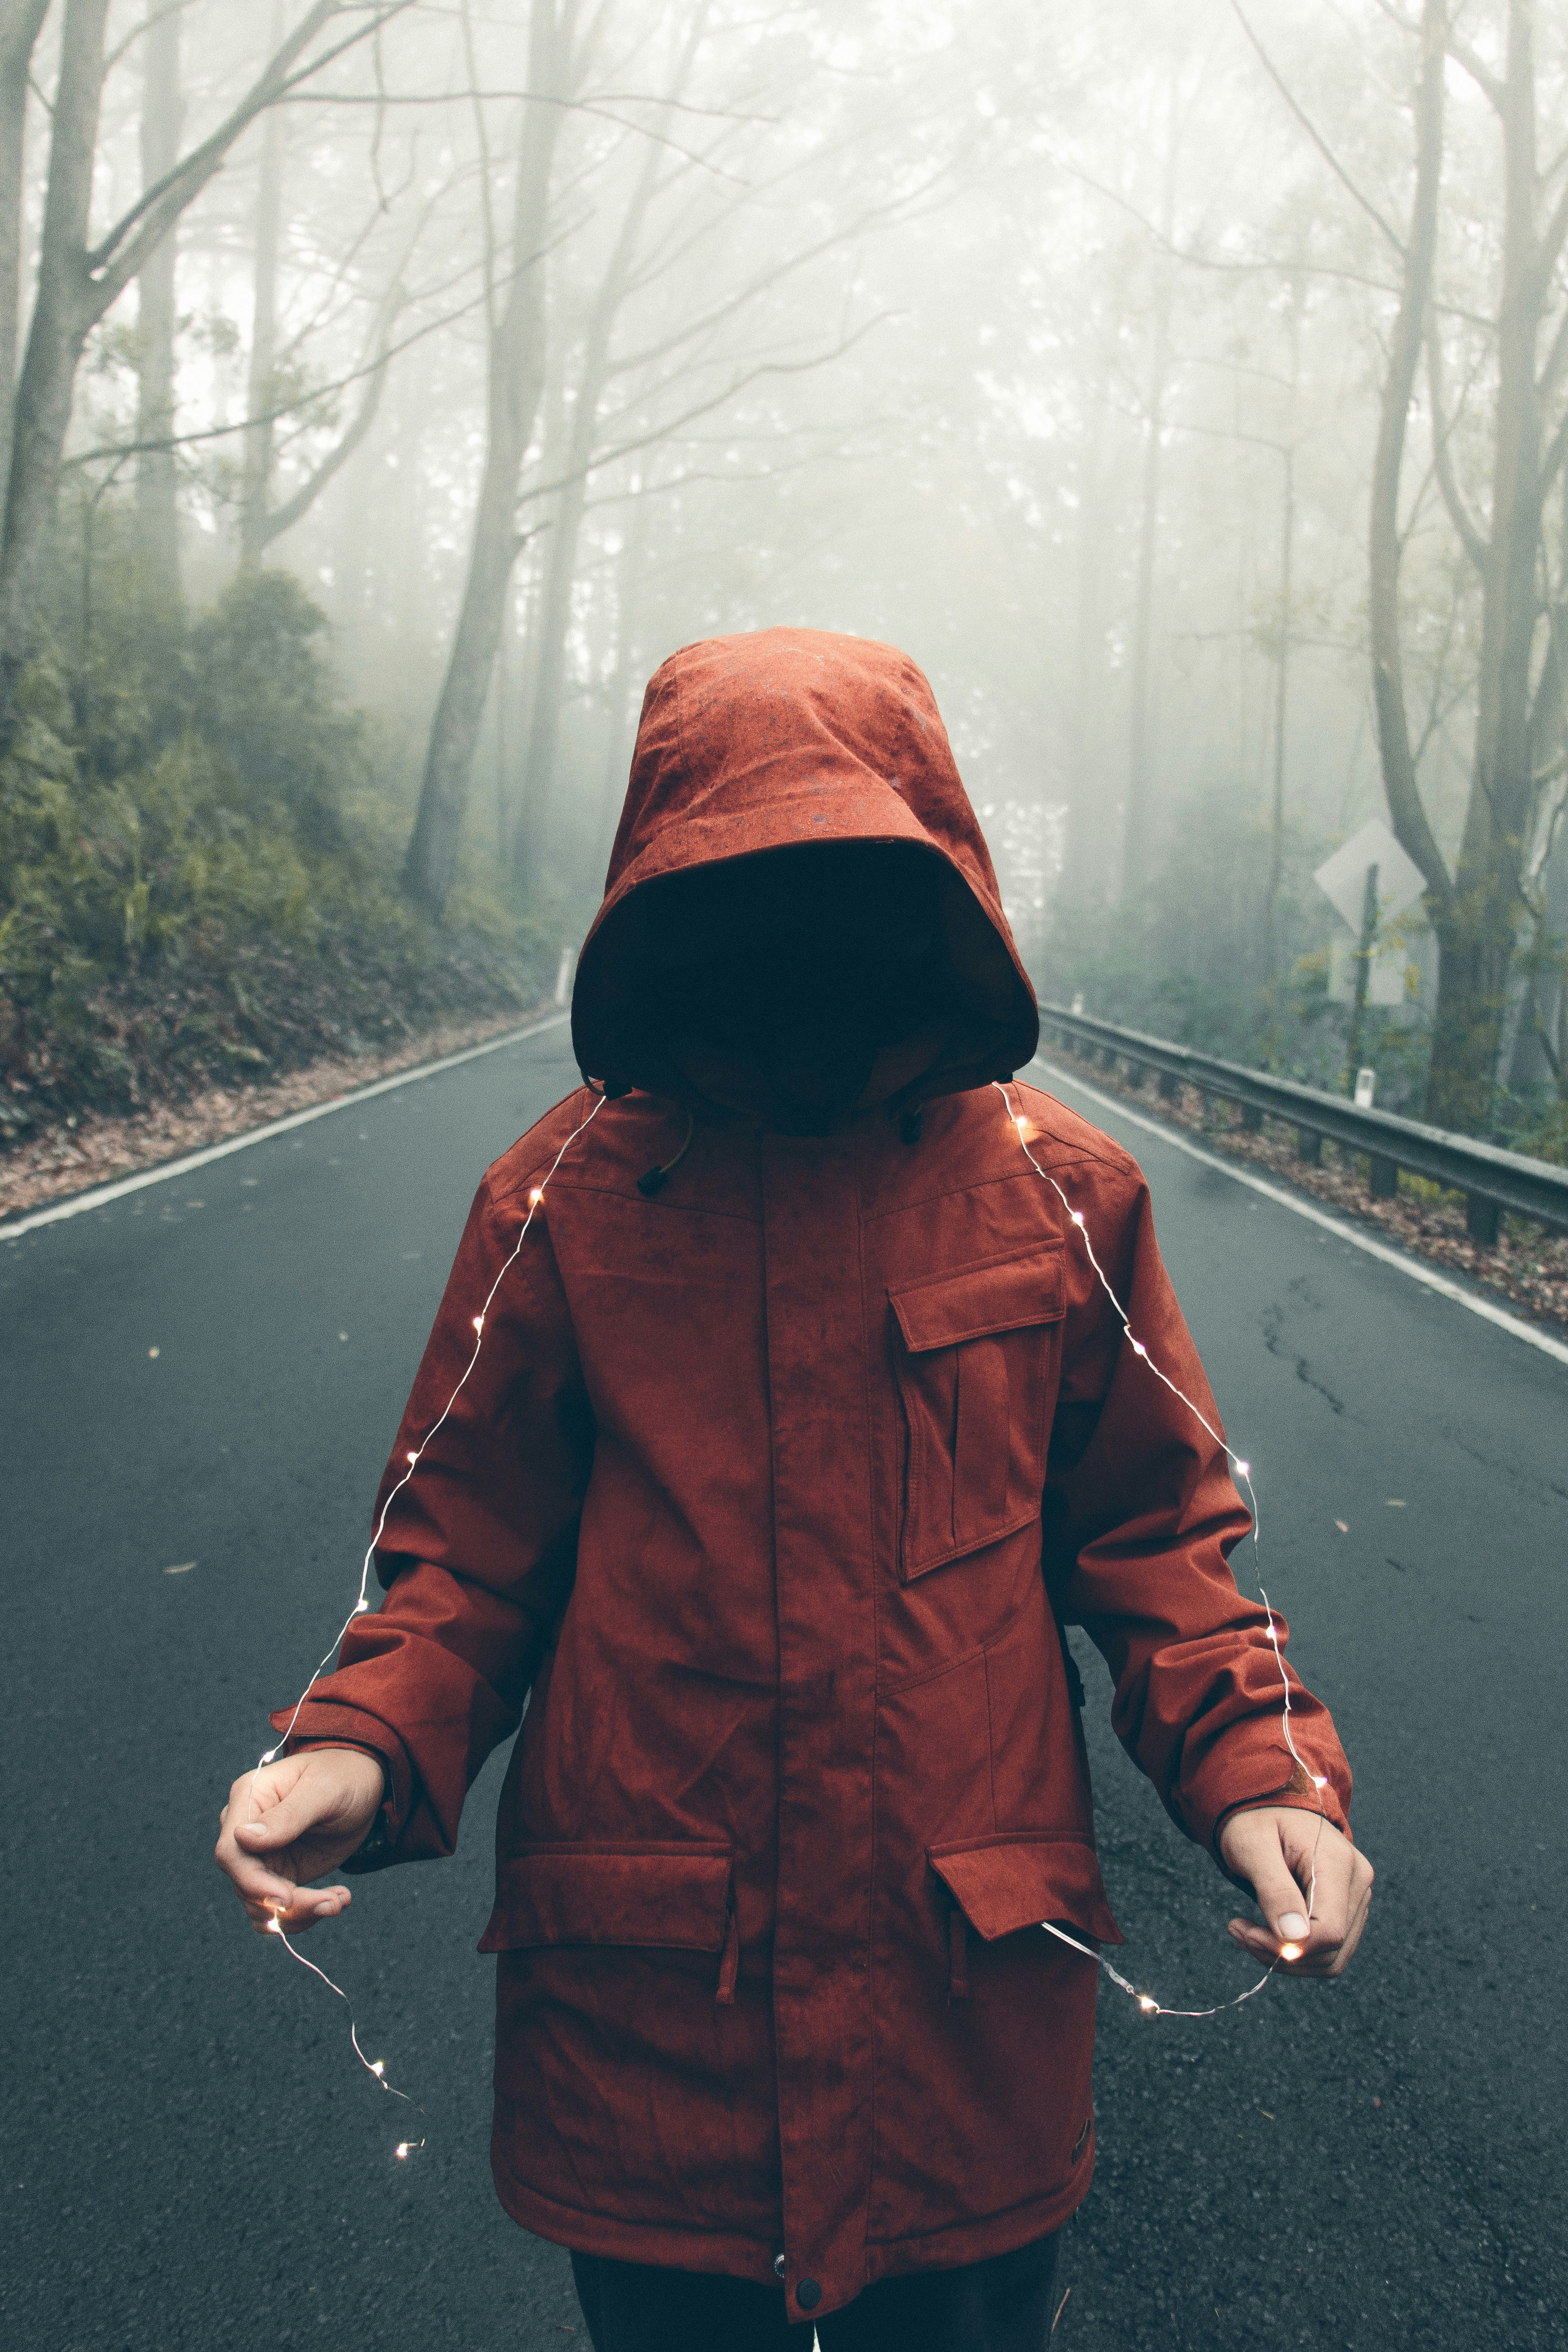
x=674 y=1898
x=1021 y=1879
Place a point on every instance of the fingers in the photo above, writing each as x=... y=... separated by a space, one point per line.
x=291 y=1821
x=255 y=1880
x=1313 y=1887
x=309 y=1907
x=1256 y=1851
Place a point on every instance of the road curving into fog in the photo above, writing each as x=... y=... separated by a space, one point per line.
x=200 y=1382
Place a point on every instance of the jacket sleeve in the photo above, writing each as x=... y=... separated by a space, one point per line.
x=1141 y=1517
x=478 y=1547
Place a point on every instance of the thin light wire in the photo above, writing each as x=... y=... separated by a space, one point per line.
x=1023 y=1127
x=362 y=1602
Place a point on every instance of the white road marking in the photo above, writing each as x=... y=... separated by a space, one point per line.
x=1416 y=1268
x=100 y=1197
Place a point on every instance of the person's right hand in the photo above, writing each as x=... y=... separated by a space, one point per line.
x=291 y=1821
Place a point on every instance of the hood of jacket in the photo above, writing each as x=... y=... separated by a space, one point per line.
x=757 y=756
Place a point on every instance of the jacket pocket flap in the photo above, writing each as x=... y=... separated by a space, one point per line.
x=1002 y=1884
x=675 y=1898
x=1004 y=1296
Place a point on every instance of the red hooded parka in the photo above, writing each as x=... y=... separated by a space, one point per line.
x=765 y=1495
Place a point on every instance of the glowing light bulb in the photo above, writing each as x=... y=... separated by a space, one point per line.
x=361 y=1607
x=479 y=1322
x=1077 y=1217
x=1320 y=1779
x=402 y=2151
x=535 y=1197
x=1242 y=1468
x=1291 y=1951
x=412 y=1460
x=1139 y=1349
x=270 y=1755
x=1148 y=2004
x=272 y=1926
x=378 y=2067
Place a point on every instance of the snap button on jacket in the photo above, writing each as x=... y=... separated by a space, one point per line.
x=766 y=1495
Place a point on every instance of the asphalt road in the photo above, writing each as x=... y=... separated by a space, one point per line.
x=190 y=2156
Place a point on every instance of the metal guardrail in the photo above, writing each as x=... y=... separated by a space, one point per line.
x=1490 y=1178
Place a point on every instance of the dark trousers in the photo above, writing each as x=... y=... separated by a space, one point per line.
x=1000 y=2306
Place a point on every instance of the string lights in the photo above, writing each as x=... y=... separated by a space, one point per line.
x=1026 y=1131
x=377 y=2066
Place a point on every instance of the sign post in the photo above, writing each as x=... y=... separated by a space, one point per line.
x=1369 y=881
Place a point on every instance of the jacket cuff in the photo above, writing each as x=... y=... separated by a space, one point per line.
x=1267 y=1776
x=323 y=1725
x=1298 y=1794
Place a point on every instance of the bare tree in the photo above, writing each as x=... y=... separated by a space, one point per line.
x=561 y=549
x=1478 y=902
x=262 y=390
x=21 y=21
x=515 y=382
x=157 y=504
x=77 y=282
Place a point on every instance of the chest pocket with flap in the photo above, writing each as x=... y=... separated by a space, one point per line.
x=975 y=1361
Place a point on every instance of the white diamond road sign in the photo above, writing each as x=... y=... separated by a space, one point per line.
x=1341 y=878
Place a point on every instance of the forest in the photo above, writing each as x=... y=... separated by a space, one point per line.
x=394 y=384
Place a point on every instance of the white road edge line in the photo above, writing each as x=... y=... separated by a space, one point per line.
x=79 y=1203
x=1342 y=1227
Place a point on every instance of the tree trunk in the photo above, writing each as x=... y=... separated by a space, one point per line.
x=262 y=389
x=561 y=553
x=20 y=24
x=1085 y=865
x=157 y=508
x=630 y=581
x=1135 y=813
x=516 y=382
x=62 y=314
x=1478 y=931
x=1276 y=796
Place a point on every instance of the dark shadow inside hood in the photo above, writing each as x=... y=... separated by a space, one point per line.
x=850 y=949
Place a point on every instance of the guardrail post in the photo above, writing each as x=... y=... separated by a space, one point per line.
x=1170 y=1085
x=1108 y=1058
x=1482 y=1218
x=1383 y=1175
x=1308 y=1146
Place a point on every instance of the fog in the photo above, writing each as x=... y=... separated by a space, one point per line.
x=1139 y=370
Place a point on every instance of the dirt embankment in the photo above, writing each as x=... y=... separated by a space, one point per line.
x=95 y=1147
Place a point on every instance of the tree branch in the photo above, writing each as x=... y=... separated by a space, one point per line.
x=1313 y=133
x=1464 y=522
x=1401 y=786
x=119 y=256
x=283 y=518
x=1481 y=74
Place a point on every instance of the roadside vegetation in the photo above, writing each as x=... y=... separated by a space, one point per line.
x=199 y=858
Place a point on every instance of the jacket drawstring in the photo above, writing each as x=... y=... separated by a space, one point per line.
x=729 y=1962
x=653 y=1182
x=957 y=1954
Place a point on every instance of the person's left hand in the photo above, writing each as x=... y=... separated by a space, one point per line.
x=1282 y=1852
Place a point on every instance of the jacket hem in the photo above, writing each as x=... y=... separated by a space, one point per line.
x=729 y=2253
x=981 y=2240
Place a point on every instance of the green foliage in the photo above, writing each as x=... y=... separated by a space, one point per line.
x=197 y=875
x=1189 y=960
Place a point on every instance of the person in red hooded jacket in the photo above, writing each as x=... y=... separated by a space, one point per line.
x=800 y=1425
